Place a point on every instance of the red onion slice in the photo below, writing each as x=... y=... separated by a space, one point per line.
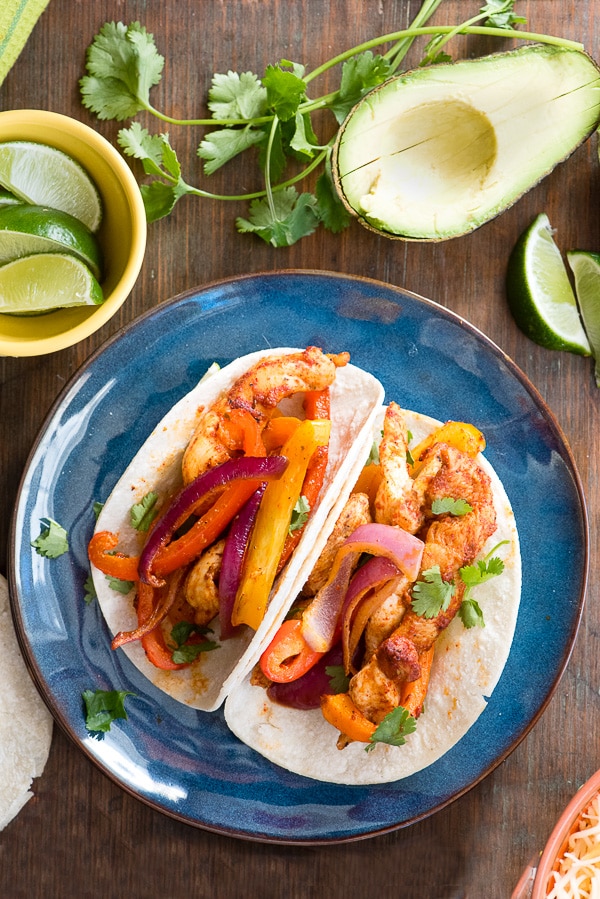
x=233 y=559
x=245 y=468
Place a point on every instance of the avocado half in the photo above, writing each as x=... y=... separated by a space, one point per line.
x=436 y=152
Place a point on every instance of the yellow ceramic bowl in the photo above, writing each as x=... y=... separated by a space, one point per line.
x=122 y=234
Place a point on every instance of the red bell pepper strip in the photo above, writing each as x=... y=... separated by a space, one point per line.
x=288 y=656
x=101 y=554
x=154 y=644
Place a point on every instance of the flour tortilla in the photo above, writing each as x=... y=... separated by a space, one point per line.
x=356 y=397
x=26 y=722
x=467 y=666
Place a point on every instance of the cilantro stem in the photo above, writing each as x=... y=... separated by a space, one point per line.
x=451 y=30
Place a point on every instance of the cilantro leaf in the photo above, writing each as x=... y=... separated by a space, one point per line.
x=293 y=216
x=394 y=728
x=332 y=212
x=432 y=595
x=158 y=158
x=359 y=75
x=338 y=679
x=186 y=648
x=470 y=613
x=234 y=96
x=52 y=541
x=472 y=576
x=219 y=147
x=285 y=91
x=501 y=14
x=300 y=514
x=142 y=514
x=89 y=591
x=103 y=707
x=453 y=506
x=119 y=585
x=122 y=64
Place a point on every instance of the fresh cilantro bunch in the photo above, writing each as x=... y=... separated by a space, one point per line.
x=271 y=115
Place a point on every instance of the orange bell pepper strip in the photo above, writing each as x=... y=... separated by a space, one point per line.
x=339 y=710
x=288 y=656
x=413 y=693
x=460 y=434
x=368 y=482
x=102 y=555
x=278 y=431
x=240 y=431
x=272 y=524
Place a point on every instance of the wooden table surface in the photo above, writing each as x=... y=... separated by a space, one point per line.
x=81 y=836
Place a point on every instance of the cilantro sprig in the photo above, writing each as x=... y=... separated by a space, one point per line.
x=394 y=728
x=432 y=594
x=52 y=541
x=473 y=575
x=272 y=115
x=185 y=644
x=103 y=707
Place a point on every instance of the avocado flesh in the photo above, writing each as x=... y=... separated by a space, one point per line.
x=438 y=151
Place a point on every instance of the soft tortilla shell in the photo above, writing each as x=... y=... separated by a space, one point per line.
x=355 y=399
x=467 y=666
x=26 y=722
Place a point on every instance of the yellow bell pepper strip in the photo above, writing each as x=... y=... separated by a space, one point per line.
x=339 y=710
x=459 y=434
x=272 y=523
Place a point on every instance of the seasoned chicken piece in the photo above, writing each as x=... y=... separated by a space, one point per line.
x=450 y=542
x=375 y=690
x=386 y=619
x=399 y=499
x=201 y=586
x=258 y=392
x=355 y=512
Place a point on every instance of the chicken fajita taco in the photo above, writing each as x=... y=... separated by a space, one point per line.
x=206 y=534
x=403 y=626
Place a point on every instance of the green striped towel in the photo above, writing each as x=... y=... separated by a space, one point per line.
x=17 y=18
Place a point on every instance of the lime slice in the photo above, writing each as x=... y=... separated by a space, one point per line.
x=25 y=230
x=586 y=271
x=46 y=281
x=539 y=292
x=45 y=176
x=8 y=199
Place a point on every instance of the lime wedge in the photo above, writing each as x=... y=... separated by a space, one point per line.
x=45 y=282
x=8 y=199
x=25 y=230
x=45 y=176
x=586 y=271
x=539 y=292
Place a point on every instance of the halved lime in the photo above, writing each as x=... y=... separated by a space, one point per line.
x=45 y=282
x=45 y=176
x=539 y=292
x=586 y=271
x=26 y=229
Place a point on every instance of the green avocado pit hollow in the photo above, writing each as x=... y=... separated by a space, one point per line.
x=436 y=152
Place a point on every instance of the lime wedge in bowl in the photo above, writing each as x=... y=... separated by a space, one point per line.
x=25 y=230
x=45 y=176
x=539 y=292
x=45 y=282
x=586 y=271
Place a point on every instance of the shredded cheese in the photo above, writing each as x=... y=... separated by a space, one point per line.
x=578 y=870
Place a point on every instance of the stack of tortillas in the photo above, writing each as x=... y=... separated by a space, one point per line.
x=26 y=722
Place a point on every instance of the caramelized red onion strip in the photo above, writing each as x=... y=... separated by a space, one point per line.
x=322 y=619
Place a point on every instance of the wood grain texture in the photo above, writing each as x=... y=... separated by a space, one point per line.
x=81 y=836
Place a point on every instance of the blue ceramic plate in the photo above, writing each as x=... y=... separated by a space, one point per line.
x=186 y=763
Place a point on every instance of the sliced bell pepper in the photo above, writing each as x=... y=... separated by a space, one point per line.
x=460 y=434
x=339 y=710
x=288 y=656
x=102 y=555
x=278 y=431
x=413 y=693
x=154 y=644
x=272 y=523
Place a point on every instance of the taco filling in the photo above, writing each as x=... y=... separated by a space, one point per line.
x=387 y=617
x=226 y=511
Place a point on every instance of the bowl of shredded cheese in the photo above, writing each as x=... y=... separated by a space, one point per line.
x=569 y=867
